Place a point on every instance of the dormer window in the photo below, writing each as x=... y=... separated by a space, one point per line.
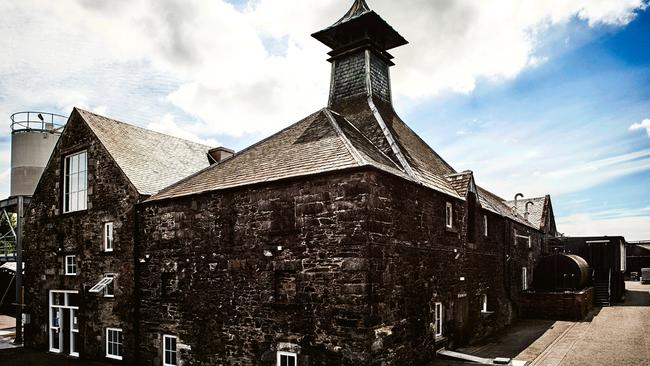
x=75 y=185
x=449 y=216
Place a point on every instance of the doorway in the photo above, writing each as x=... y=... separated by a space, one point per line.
x=64 y=322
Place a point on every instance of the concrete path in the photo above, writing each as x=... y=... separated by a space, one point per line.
x=617 y=335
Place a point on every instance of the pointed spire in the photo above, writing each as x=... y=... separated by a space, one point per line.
x=360 y=25
x=358 y=8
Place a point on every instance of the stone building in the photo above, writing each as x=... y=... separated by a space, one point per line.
x=342 y=239
x=79 y=234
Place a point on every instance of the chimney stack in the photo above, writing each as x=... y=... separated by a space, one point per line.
x=219 y=154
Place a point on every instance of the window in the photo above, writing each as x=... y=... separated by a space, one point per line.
x=623 y=256
x=169 y=350
x=438 y=318
x=76 y=182
x=485 y=225
x=114 y=343
x=287 y=359
x=524 y=278
x=484 y=301
x=108 y=237
x=109 y=289
x=70 y=265
x=106 y=285
x=449 y=215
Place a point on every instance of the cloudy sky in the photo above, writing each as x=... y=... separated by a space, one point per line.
x=534 y=96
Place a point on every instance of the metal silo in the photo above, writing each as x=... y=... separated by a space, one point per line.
x=33 y=137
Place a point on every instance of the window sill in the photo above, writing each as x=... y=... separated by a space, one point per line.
x=119 y=358
x=487 y=314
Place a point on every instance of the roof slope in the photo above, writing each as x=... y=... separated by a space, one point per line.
x=324 y=141
x=150 y=160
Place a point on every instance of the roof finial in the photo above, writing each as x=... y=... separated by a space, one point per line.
x=358 y=8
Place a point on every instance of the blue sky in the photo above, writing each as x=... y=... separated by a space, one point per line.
x=534 y=97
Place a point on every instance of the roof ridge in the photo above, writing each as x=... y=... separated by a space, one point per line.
x=366 y=138
x=346 y=142
x=231 y=158
x=140 y=128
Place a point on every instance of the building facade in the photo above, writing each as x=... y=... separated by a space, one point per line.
x=342 y=239
x=80 y=288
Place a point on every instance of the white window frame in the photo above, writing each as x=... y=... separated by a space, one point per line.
x=449 y=215
x=438 y=318
x=484 y=303
x=171 y=351
x=52 y=327
x=109 y=285
x=623 y=257
x=75 y=194
x=108 y=237
x=287 y=354
x=74 y=320
x=121 y=343
x=70 y=265
x=524 y=278
x=486 y=230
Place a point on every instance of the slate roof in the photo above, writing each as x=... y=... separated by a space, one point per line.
x=150 y=160
x=535 y=211
x=460 y=181
x=498 y=205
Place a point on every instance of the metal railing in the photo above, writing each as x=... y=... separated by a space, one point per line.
x=37 y=121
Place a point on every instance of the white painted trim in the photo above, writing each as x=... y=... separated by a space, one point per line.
x=438 y=318
x=65 y=264
x=449 y=215
x=164 y=349
x=106 y=237
x=289 y=354
x=114 y=357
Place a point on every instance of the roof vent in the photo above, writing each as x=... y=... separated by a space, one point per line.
x=219 y=154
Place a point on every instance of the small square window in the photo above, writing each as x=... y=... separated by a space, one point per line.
x=287 y=359
x=108 y=237
x=70 y=265
x=169 y=351
x=449 y=215
x=114 y=343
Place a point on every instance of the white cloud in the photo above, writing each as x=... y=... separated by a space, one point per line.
x=632 y=227
x=169 y=126
x=202 y=68
x=641 y=125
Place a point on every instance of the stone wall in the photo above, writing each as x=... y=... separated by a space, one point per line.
x=569 y=305
x=239 y=274
x=344 y=269
x=50 y=235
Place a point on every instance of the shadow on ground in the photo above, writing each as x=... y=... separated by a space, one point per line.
x=24 y=357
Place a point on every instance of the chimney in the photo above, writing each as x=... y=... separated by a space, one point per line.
x=360 y=61
x=219 y=154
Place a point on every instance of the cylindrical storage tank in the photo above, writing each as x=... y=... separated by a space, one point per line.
x=561 y=272
x=33 y=137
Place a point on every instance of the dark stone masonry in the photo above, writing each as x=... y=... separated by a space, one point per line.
x=343 y=239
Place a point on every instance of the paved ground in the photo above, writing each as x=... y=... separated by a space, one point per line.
x=618 y=335
x=7 y=331
x=614 y=336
